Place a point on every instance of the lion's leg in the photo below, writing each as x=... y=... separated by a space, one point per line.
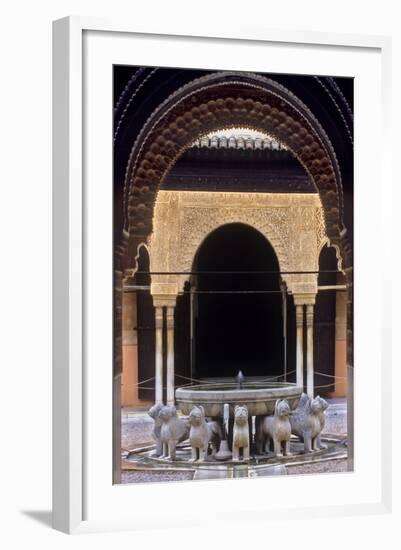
x=164 y=450
x=171 y=449
x=267 y=444
x=319 y=443
x=315 y=446
x=235 y=453
x=277 y=447
x=202 y=454
x=159 y=448
x=287 y=448
x=307 y=441
x=245 y=453
x=193 y=454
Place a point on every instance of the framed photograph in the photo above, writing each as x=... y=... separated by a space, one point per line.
x=218 y=320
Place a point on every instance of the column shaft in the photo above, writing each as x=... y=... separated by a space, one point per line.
x=300 y=345
x=170 y=356
x=192 y=331
x=284 y=308
x=159 y=355
x=309 y=350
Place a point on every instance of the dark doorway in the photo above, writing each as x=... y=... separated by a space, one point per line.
x=145 y=328
x=324 y=323
x=237 y=330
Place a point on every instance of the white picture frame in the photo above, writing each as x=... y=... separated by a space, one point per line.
x=80 y=44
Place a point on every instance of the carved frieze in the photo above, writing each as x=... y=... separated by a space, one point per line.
x=292 y=223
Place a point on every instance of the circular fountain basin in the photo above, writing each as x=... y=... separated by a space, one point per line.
x=259 y=397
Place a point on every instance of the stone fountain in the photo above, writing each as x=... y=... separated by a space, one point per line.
x=256 y=425
x=220 y=401
x=258 y=397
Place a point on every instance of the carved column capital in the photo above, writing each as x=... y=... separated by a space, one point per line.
x=168 y=300
x=299 y=315
x=170 y=317
x=309 y=315
x=158 y=317
x=307 y=298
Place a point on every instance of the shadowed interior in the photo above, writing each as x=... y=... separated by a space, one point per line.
x=237 y=331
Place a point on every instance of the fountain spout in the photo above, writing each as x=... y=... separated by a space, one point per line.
x=240 y=379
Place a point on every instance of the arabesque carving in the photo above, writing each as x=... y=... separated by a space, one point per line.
x=292 y=223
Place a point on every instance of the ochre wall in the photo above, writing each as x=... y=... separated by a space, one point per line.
x=341 y=342
x=129 y=384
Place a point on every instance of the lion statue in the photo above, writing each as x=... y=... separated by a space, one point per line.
x=276 y=429
x=240 y=433
x=153 y=412
x=322 y=407
x=173 y=431
x=201 y=433
x=307 y=421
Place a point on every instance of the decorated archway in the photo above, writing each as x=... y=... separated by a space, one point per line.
x=292 y=224
x=224 y=100
x=216 y=101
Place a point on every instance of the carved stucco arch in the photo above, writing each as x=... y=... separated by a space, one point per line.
x=292 y=224
x=281 y=256
x=219 y=101
x=204 y=227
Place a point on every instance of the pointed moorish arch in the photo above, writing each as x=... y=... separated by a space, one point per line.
x=225 y=100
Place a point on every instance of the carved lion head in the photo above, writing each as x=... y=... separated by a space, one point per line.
x=241 y=414
x=197 y=416
x=282 y=408
x=319 y=404
x=153 y=412
x=167 y=412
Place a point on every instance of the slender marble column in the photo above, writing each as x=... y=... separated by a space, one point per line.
x=170 y=355
x=284 y=310
x=192 y=331
x=309 y=350
x=300 y=345
x=159 y=354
